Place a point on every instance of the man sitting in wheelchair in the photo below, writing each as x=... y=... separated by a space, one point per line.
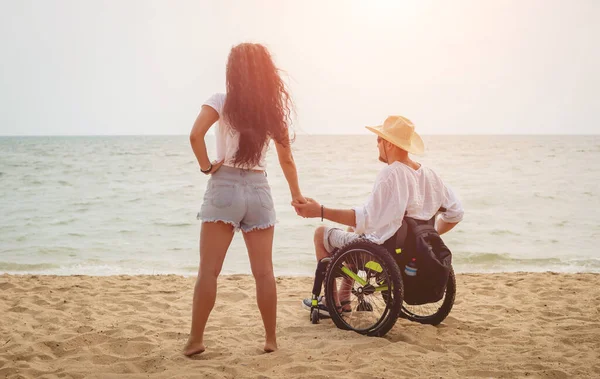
x=404 y=188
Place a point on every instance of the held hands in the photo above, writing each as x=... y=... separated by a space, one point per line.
x=309 y=209
x=298 y=199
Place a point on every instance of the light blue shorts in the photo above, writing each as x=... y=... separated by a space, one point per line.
x=238 y=197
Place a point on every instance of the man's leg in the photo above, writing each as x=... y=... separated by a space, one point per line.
x=326 y=240
x=320 y=250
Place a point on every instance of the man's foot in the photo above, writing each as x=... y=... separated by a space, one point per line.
x=193 y=348
x=270 y=346
x=323 y=309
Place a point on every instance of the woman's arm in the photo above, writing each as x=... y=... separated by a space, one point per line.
x=286 y=161
x=207 y=117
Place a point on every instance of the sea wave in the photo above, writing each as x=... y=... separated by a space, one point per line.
x=493 y=262
x=26 y=267
x=172 y=224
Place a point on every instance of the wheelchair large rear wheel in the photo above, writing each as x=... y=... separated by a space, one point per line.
x=432 y=313
x=366 y=280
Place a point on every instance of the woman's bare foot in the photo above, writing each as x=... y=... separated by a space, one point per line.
x=270 y=347
x=193 y=348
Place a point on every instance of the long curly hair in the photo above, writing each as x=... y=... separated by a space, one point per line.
x=258 y=105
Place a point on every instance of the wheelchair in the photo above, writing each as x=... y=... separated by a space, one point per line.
x=372 y=280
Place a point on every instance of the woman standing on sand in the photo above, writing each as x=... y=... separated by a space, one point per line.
x=255 y=110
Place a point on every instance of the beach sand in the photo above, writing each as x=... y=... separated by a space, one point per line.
x=502 y=325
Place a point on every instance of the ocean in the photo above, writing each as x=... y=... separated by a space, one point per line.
x=128 y=204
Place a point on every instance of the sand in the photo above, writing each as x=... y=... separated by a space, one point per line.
x=503 y=325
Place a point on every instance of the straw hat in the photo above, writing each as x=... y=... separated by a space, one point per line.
x=400 y=131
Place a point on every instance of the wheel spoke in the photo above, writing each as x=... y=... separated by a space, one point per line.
x=369 y=308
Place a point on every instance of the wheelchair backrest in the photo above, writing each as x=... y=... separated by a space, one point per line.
x=399 y=240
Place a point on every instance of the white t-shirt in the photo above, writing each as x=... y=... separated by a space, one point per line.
x=399 y=189
x=227 y=138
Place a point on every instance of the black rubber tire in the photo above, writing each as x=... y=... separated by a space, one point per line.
x=314 y=316
x=442 y=312
x=389 y=264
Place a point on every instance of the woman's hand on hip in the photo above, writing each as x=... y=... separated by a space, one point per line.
x=216 y=166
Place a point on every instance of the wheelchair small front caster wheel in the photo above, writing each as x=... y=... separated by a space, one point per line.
x=314 y=316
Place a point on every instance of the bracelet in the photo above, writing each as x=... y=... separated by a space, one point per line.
x=322 y=211
x=207 y=170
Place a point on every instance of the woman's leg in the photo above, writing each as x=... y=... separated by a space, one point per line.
x=215 y=238
x=260 y=249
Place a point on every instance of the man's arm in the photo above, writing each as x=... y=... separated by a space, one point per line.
x=442 y=226
x=313 y=209
x=341 y=216
x=376 y=215
x=452 y=215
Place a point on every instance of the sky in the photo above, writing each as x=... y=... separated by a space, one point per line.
x=453 y=67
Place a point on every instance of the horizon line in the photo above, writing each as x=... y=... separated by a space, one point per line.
x=303 y=134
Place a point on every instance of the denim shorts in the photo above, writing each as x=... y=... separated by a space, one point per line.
x=241 y=198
